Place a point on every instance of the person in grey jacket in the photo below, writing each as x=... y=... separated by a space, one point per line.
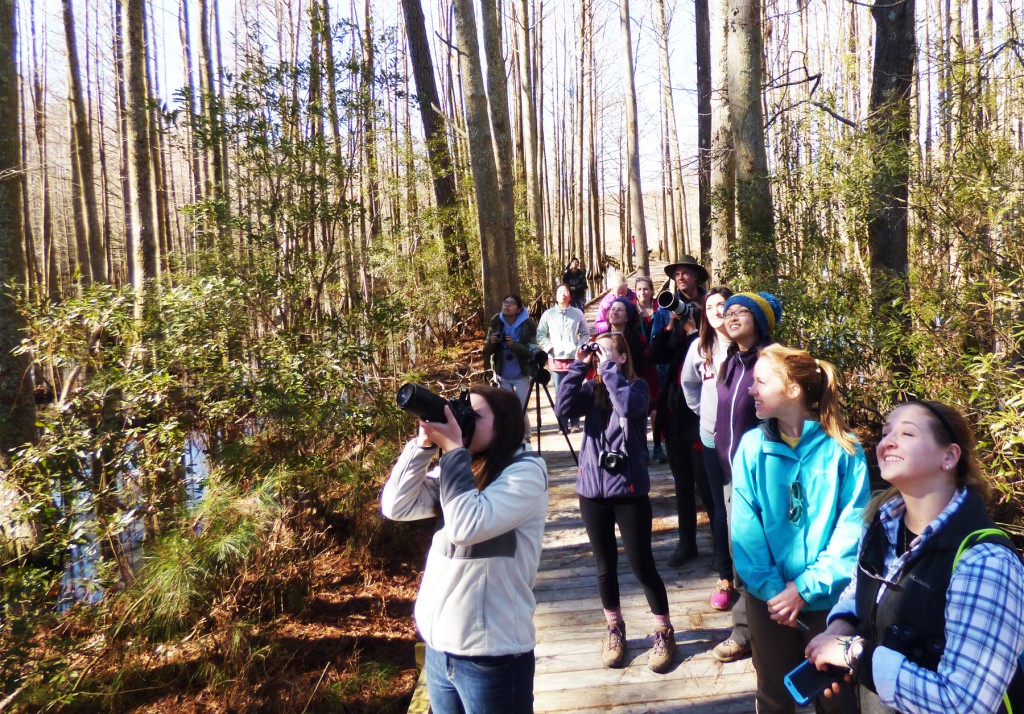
x=560 y=332
x=613 y=485
x=475 y=605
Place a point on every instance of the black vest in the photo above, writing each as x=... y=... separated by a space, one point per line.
x=912 y=619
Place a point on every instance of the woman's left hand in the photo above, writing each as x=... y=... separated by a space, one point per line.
x=825 y=649
x=447 y=435
x=786 y=606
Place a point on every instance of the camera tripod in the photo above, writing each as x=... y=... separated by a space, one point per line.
x=541 y=379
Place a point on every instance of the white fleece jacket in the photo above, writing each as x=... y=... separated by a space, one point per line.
x=476 y=598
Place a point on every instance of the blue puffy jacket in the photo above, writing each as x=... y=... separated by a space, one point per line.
x=817 y=552
x=629 y=400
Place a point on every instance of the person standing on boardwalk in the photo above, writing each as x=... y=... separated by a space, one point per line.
x=933 y=620
x=750 y=320
x=800 y=485
x=613 y=485
x=475 y=605
x=699 y=378
x=561 y=331
x=507 y=347
x=576 y=279
x=680 y=424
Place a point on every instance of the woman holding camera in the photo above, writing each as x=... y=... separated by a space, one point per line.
x=475 y=605
x=613 y=485
x=507 y=349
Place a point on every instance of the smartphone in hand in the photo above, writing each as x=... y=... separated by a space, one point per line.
x=807 y=682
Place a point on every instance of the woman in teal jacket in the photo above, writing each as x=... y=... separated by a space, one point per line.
x=800 y=486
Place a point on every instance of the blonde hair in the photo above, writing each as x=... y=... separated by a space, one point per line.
x=818 y=381
x=948 y=426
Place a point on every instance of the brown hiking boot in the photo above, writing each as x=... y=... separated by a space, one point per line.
x=613 y=646
x=663 y=651
x=730 y=651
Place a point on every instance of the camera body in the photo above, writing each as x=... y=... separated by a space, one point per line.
x=613 y=461
x=424 y=404
x=669 y=300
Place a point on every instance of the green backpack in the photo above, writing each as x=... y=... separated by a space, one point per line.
x=1013 y=699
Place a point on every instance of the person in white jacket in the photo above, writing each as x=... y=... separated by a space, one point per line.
x=475 y=606
x=560 y=332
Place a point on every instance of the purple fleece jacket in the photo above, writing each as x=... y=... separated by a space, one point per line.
x=735 y=405
x=628 y=399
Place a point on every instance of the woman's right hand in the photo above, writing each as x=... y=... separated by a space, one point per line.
x=584 y=355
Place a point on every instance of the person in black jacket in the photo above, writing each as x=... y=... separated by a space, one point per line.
x=576 y=279
x=682 y=438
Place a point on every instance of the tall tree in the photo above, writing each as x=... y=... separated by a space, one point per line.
x=529 y=110
x=723 y=168
x=889 y=128
x=754 y=251
x=17 y=402
x=500 y=274
x=638 y=225
x=501 y=131
x=436 y=138
x=703 y=20
x=143 y=241
x=82 y=158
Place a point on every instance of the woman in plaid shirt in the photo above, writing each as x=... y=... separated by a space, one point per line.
x=933 y=621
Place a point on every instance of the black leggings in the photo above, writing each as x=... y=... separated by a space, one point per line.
x=633 y=515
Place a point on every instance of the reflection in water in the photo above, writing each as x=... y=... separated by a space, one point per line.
x=79 y=582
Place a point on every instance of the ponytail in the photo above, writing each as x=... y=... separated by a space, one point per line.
x=819 y=382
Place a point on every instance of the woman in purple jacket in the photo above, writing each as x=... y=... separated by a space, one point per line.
x=613 y=485
x=750 y=320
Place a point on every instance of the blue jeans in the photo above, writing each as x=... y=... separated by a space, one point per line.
x=480 y=685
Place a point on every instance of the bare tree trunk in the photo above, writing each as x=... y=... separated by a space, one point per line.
x=530 y=145
x=140 y=169
x=501 y=133
x=723 y=169
x=452 y=235
x=499 y=266
x=18 y=410
x=755 y=252
x=889 y=127
x=92 y=238
x=208 y=106
x=670 y=147
x=638 y=225
x=703 y=125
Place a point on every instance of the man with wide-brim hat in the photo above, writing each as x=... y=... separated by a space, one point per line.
x=689 y=276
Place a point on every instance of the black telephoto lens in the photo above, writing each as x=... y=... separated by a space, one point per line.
x=421 y=402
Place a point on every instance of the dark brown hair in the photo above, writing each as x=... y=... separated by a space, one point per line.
x=708 y=334
x=948 y=426
x=509 y=432
x=628 y=371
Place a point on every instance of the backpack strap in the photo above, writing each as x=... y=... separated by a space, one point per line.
x=998 y=536
x=986 y=535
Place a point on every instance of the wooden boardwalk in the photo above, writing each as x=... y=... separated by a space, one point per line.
x=570 y=622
